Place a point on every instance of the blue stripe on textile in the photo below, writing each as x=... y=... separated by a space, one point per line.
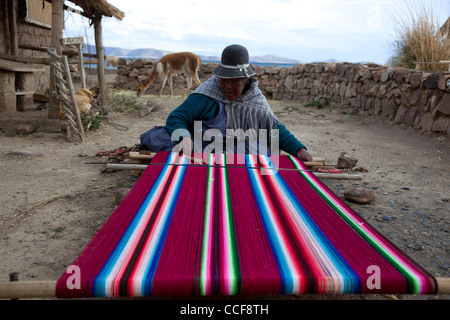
x=149 y=274
x=99 y=283
x=287 y=282
x=352 y=283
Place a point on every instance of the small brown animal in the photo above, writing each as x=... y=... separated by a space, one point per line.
x=83 y=97
x=186 y=62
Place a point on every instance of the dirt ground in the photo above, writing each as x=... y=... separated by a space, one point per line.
x=53 y=204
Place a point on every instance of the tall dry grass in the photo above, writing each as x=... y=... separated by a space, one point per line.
x=420 y=38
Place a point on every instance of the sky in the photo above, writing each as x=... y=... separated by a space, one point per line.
x=304 y=30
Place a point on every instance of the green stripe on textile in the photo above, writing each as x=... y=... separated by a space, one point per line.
x=206 y=237
x=411 y=279
x=234 y=266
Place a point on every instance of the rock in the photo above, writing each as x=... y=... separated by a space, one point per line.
x=377 y=74
x=444 y=105
x=415 y=97
x=443 y=81
x=27 y=153
x=290 y=83
x=120 y=194
x=42 y=106
x=387 y=74
x=442 y=124
x=416 y=79
x=25 y=129
x=156 y=108
x=401 y=75
x=426 y=224
x=360 y=195
x=410 y=116
x=346 y=161
x=134 y=73
x=431 y=81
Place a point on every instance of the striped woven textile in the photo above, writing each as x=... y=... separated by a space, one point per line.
x=235 y=225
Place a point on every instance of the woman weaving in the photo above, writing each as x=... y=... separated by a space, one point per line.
x=226 y=113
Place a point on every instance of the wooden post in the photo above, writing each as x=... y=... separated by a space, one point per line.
x=447 y=62
x=101 y=61
x=78 y=42
x=72 y=97
x=57 y=28
x=81 y=65
x=12 y=22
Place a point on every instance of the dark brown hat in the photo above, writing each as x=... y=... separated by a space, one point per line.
x=234 y=63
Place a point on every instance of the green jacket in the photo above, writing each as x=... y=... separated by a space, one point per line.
x=198 y=107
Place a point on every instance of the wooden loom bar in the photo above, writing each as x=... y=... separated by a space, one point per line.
x=443 y=285
x=27 y=289
x=46 y=289
x=137 y=155
x=320 y=175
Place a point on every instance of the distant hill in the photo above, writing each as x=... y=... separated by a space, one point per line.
x=270 y=58
x=155 y=54
x=151 y=53
x=109 y=51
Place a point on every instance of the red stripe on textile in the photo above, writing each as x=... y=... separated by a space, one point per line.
x=259 y=270
x=221 y=244
x=96 y=253
x=139 y=262
x=431 y=280
x=307 y=270
x=178 y=268
x=353 y=248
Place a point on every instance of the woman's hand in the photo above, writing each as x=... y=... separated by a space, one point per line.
x=304 y=155
x=185 y=146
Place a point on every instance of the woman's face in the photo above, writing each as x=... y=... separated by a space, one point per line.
x=232 y=88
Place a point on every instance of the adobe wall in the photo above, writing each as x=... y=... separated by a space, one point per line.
x=408 y=97
x=36 y=36
x=27 y=34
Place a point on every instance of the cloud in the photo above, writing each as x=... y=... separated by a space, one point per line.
x=274 y=22
x=289 y=28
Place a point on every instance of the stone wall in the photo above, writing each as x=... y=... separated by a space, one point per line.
x=413 y=98
x=132 y=72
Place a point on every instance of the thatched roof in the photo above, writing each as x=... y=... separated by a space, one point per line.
x=98 y=8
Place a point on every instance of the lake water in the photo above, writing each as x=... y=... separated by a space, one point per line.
x=262 y=64
x=266 y=64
